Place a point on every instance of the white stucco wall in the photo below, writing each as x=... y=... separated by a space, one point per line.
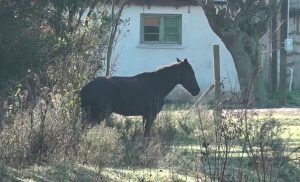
x=197 y=41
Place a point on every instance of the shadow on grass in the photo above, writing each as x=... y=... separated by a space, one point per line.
x=51 y=172
x=244 y=168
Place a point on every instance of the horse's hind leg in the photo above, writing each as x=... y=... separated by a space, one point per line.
x=149 y=122
x=85 y=117
x=98 y=114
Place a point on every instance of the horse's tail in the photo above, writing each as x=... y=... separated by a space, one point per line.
x=84 y=107
x=83 y=98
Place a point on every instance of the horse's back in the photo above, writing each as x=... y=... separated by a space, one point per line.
x=103 y=88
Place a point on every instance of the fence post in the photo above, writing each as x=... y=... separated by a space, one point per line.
x=217 y=73
x=217 y=112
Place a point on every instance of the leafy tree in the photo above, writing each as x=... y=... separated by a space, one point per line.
x=49 y=45
x=48 y=50
x=37 y=34
x=240 y=24
x=22 y=43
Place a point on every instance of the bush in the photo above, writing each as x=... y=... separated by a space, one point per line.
x=165 y=127
x=15 y=142
x=101 y=146
x=39 y=107
x=47 y=132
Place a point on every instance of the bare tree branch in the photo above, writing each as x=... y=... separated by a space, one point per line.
x=116 y=17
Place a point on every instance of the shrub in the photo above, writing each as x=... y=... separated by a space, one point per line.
x=44 y=133
x=101 y=146
x=15 y=143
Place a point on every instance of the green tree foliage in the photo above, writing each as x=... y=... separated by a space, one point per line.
x=48 y=50
x=38 y=35
x=23 y=42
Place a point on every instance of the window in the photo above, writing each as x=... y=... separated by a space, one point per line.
x=160 y=29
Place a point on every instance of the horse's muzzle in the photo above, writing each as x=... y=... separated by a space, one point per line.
x=195 y=92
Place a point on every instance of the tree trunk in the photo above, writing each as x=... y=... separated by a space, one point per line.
x=247 y=58
x=240 y=25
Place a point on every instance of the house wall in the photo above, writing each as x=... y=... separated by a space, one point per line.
x=294 y=5
x=130 y=57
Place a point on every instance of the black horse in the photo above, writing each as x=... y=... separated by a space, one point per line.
x=142 y=94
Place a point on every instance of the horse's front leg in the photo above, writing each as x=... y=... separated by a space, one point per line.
x=144 y=123
x=151 y=115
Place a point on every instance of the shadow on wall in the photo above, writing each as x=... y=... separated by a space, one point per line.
x=179 y=94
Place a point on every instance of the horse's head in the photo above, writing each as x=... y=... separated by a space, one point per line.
x=187 y=77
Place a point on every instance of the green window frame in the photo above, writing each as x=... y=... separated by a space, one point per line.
x=161 y=29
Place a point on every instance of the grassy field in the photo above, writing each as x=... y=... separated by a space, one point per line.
x=68 y=172
x=182 y=162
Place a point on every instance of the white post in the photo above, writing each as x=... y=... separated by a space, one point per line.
x=288 y=43
x=291 y=79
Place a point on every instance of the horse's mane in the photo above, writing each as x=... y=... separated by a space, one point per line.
x=160 y=70
x=167 y=67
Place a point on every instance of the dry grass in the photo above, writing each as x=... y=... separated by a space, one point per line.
x=61 y=171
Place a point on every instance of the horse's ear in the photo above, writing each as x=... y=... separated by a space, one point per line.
x=185 y=60
x=178 y=60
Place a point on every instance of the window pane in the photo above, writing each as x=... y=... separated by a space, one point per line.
x=151 y=33
x=171 y=21
x=171 y=38
x=151 y=29
x=171 y=30
x=151 y=21
x=151 y=37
